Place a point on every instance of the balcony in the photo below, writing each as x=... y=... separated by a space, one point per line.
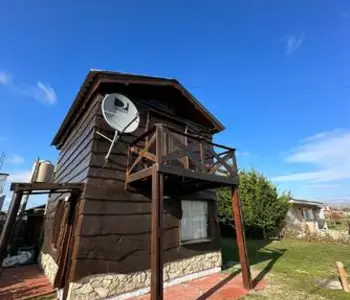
x=186 y=160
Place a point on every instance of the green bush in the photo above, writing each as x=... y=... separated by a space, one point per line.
x=262 y=206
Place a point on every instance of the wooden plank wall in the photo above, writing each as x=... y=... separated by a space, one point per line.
x=72 y=166
x=113 y=230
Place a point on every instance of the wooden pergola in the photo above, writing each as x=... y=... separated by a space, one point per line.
x=197 y=164
x=21 y=189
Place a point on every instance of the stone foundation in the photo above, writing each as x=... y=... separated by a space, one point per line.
x=118 y=286
x=49 y=266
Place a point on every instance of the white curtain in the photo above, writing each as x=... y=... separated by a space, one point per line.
x=194 y=222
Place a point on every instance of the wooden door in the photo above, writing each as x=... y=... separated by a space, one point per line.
x=65 y=241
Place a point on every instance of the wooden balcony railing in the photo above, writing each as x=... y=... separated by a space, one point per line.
x=182 y=154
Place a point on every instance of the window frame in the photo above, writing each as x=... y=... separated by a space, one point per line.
x=210 y=234
x=306 y=214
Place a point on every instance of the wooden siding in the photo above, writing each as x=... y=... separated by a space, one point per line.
x=113 y=227
x=72 y=166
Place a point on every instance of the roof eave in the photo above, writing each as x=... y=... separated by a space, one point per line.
x=306 y=202
x=218 y=125
x=86 y=84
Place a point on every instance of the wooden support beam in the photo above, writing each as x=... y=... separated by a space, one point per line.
x=220 y=160
x=241 y=243
x=342 y=276
x=9 y=225
x=201 y=155
x=187 y=160
x=179 y=171
x=138 y=175
x=141 y=155
x=185 y=149
x=156 y=235
x=45 y=186
x=140 y=151
x=178 y=153
x=217 y=165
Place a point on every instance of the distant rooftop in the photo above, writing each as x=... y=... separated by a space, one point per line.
x=307 y=202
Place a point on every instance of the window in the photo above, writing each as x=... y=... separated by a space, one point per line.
x=194 y=222
x=308 y=214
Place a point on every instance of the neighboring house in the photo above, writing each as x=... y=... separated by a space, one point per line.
x=310 y=213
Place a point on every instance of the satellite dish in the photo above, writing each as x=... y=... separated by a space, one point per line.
x=121 y=114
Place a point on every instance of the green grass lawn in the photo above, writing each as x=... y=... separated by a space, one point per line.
x=292 y=268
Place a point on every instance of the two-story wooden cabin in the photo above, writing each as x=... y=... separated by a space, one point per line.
x=153 y=204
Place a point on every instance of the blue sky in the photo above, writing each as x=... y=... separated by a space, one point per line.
x=275 y=73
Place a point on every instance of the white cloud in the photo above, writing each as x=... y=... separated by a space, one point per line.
x=40 y=91
x=327 y=149
x=316 y=176
x=292 y=43
x=327 y=152
x=20 y=176
x=15 y=176
x=242 y=153
x=320 y=186
x=15 y=159
x=5 y=78
x=344 y=15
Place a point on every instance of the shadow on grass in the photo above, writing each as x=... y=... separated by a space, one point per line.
x=258 y=252
x=273 y=256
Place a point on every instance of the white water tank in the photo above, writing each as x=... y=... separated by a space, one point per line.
x=44 y=171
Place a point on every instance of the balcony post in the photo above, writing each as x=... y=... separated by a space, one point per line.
x=241 y=243
x=156 y=234
x=9 y=225
x=160 y=142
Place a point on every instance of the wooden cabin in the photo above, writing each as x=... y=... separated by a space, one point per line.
x=151 y=209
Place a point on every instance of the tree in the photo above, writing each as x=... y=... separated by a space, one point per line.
x=262 y=206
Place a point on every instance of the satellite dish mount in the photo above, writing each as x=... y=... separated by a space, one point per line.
x=121 y=114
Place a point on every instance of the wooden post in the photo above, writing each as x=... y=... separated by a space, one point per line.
x=201 y=154
x=343 y=276
x=9 y=225
x=187 y=160
x=18 y=224
x=241 y=243
x=156 y=235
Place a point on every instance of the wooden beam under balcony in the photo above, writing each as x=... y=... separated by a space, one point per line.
x=168 y=169
x=139 y=175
